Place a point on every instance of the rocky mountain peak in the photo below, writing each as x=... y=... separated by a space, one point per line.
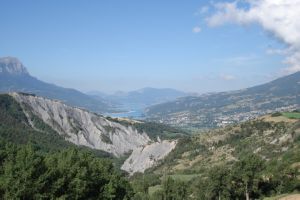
x=12 y=66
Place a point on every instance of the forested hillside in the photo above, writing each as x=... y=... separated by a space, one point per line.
x=256 y=159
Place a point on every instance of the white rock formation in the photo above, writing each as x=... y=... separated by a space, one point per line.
x=147 y=156
x=88 y=129
x=82 y=127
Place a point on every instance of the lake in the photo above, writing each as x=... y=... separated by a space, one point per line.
x=134 y=112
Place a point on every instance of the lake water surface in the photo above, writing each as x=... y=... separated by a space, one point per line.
x=134 y=112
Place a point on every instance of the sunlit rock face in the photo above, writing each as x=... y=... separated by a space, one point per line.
x=82 y=127
x=85 y=128
x=147 y=156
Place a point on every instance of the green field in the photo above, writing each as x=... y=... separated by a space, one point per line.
x=184 y=177
x=181 y=177
x=153 y=189
x=292 y=115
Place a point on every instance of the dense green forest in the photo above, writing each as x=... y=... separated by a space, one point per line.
x=26 y=172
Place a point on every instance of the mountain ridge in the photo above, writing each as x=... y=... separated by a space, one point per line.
x=218 y=109
x=13 y=66
x=144 y=96
x=14 y=77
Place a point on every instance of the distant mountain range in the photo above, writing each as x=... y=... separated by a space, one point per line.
x=145 y=96
x=14 y=77
x=219 y=109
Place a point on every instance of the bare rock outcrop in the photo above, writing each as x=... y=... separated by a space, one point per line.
x=84 y=128
x=147 y=156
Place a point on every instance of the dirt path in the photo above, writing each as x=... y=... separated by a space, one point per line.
x=291 y=197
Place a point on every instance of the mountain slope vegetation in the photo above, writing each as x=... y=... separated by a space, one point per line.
x=29 y=173
x=255 y=159
x=262 y=154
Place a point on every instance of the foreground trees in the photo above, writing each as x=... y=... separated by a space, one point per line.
x=249 y=178
x=26 y=173
x=29 y=173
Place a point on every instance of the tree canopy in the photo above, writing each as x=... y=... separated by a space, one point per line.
x=26 y=173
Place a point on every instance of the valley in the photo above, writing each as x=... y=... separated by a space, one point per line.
x=150 y=100
x=133 y=104
x=129 y=111
x=186 y=148
x=157 y=157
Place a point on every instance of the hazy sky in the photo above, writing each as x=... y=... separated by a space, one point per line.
x=110 y=45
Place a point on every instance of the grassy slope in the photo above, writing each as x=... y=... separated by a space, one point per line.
x=194 y=156
x=292 y=115
x=274 y=138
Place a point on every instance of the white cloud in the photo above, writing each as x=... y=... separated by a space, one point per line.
x=272 y=51
x=227 y=77
x=293 y=62
x=279 y=17
x=202 y=10
x=196 y=29
x=240 y=60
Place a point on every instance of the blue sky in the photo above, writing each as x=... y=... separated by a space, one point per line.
x=126 y=45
